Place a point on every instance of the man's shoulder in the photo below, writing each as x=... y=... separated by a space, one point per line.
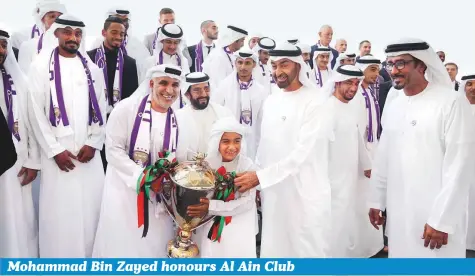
x=130 y=60
x=192 y=47
x=92 y=53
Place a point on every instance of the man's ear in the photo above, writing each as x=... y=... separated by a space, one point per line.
x=104 y=32
x=56 y=33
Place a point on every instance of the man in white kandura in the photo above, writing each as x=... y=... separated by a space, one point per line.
x=293 y=155
x=68 y=116
x=348 y=160
x=220 y=62
x=169 y=49
x=18 y=227
x=321 y=71
x=467 y=88
x=368 y=115
x=197 y=118
x=35 y=31
x=262 y=72
x=48 y=12
x=244 y=97
x=138 y=129
x=423 y=167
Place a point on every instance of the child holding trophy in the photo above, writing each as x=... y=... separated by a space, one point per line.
x=232 y=233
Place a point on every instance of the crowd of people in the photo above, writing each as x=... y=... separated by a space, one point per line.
x=302 y=126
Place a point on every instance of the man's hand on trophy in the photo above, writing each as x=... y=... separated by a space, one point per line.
x=198 y=210
x=246 y=181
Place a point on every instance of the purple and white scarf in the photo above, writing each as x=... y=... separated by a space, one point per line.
x=39 y=46
x=199 y=57
x=228 y=53
x=57 y=113
x=140 y=144
x=246 y=106
x=160 y=59
x=369 y=129
x=11 y=103
x=123 y=45
x=101 y=61
x=35 y=31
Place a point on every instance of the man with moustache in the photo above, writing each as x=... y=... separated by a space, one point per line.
x=244 y=97
x=365 y=48
x=348 y=158
x=119 y=70
x=197 y=118
x=200 y=51
x=139 y=128
x=321 y=71
x=68 y=116
x=293 y=155
x=131 y=46
x=423 y=168
x=345 y=59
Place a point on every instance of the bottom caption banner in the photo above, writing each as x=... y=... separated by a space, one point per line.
x=237 y=266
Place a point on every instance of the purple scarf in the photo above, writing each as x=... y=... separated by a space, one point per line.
x=101 y=61
x=370 y=115
x=35 y=31
x=199 y=57
x=55 y=74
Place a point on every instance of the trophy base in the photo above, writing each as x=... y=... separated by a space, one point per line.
x=174 y=251
x=182 y=246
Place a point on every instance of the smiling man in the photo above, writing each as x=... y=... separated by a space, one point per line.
x=138 y=129
x=293 y=155
x=348 y=159
x=423 y=167
x=68 y=116
x=119 y=70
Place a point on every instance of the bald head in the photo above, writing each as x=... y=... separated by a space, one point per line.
x=341 y=45
x=325 y=34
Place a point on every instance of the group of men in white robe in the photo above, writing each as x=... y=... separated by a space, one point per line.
x=312 y=143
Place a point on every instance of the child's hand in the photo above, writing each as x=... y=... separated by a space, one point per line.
x=198 y=210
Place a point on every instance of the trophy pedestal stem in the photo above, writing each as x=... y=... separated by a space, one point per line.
x=182 y=246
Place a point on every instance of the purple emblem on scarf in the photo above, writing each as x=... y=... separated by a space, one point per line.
x=35 y=30
x=370 y=115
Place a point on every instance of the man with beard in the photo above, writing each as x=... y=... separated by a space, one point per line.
x=348 y=158
x=341 y=45
x=262 y=72
x=131 y=45
x=18 y=227
x=200 y=51
x=293 y=155
x=197 y=118
x=244 y=97
x=423 y=167
x=220 y=63
x=139 y=128
x=365 y=48
x=68 y=116
x=368 y=115
x=119 y=70
x=345 y=59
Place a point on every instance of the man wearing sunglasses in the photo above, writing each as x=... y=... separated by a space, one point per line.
x=423 y=168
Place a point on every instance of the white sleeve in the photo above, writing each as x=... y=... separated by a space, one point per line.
x=24 y=57
x=234 y=207
x=458 y=166
x=96 y=140
x=379 y=173
x=33 y=161
x=117 y=134
x=313 y=133
x=364 y=158
x=38 y=97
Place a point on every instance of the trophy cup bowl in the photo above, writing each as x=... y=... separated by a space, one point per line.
x=190 y=181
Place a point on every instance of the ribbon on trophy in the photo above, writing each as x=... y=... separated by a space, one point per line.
x=226 y=193
x=151 y=179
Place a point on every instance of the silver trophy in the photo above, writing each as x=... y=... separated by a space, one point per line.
x=190 y=181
